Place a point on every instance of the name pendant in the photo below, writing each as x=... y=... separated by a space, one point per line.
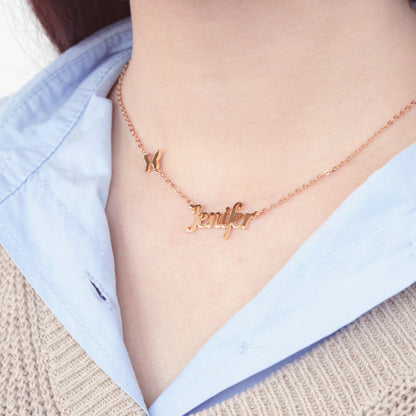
x=227 y=220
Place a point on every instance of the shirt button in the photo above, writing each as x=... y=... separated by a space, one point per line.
x=243 y=347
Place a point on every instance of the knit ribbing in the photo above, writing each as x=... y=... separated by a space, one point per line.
x=366 y=368
x=25 y=387
x=43 y=370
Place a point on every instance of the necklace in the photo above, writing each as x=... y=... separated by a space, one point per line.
x=232 y=217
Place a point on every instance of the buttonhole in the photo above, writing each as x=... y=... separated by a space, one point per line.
x=98 y=291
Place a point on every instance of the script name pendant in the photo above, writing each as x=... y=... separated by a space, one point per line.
x=227 y=220
x=152 y=163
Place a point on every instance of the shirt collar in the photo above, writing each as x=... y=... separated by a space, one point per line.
x=55 y=153
x=55 y=161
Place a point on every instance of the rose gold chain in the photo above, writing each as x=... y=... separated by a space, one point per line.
x=301 y=188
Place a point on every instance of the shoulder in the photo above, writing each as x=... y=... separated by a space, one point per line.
x=77 y=71
x=38 y=117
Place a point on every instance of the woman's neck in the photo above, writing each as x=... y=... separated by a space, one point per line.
x=266 y=80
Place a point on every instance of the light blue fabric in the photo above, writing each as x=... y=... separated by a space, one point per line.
x=55 y=171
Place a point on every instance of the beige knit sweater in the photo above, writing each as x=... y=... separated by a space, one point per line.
x=366 y=368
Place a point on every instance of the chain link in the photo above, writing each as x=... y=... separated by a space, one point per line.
x=275 y=204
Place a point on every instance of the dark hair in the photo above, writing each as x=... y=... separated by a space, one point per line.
x=66 y=22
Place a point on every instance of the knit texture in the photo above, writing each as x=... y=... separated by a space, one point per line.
x=366 y=368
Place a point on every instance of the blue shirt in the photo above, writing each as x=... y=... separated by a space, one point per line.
x=55 y=171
